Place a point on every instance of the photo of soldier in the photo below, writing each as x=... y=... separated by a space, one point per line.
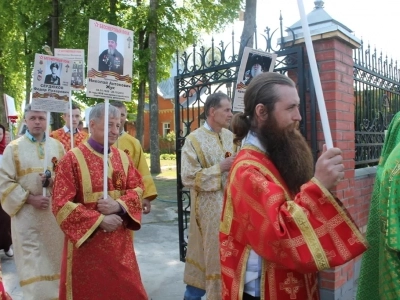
x=52 y=78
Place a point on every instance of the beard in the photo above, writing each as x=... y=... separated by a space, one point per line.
x=111 y=51
x=289 y=152
x=255 y=72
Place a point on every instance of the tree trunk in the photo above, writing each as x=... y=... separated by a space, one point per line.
x=154 y=141
x=113 y=12
x=249 y=26
x=140 y=111
x=3 y=117
x=55 y=38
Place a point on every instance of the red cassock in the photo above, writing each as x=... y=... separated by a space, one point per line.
x=295 y=235
x=3 y=294
x=97 y=264
x=65 y=138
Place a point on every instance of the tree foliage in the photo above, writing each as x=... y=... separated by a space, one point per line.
x=25 y=26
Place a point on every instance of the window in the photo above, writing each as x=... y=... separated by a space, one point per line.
x=166 y=128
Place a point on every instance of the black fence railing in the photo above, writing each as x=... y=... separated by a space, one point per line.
x=377 y=99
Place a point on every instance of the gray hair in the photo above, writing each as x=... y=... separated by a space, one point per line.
x=28 y=108
x=97 y=112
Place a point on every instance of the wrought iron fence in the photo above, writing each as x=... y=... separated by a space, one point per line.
x=377 y=99
x=203 y=70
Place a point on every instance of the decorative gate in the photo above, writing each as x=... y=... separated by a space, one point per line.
x=205 y=70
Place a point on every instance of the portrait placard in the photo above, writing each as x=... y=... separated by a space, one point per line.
x=77 y=57
x=254 y=62
x=109 y=62
x=51 y=83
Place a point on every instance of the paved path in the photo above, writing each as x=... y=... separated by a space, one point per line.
x=156 y=246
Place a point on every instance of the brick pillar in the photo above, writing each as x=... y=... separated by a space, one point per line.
x=335 y=61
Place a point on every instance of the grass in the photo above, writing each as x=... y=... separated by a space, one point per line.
x=164 y=163
x=168 y=169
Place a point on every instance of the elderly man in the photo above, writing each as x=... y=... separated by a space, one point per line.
x=132 y=147
x=280 y=224
x=111 y=59
x=99 y=261
x=206 y=160
x=37 y=240
x=64 y=134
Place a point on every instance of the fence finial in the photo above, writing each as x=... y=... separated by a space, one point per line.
x=319 y=4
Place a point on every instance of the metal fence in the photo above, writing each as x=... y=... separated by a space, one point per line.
x=203 y=70
x=377 y=99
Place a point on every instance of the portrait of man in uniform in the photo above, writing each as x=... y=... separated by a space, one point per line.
x=52 y=78
x=111 y=59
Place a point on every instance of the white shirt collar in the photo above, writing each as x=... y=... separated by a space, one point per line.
x=66 y=129
x=206 y=126
x=253 y=140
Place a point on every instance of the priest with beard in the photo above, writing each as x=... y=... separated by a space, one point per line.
x=111 y=59
x=280 y=225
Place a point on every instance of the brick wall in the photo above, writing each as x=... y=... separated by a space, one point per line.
x=341 y=283
x=334 y=57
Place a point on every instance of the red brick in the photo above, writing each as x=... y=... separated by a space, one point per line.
x=327 y=66
x=323 y=45
x=349 y=193
x=332 y=95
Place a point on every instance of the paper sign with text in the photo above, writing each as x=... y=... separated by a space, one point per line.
x=109 y=62
x=51 y=83
x=254 y=62
x=77 y=57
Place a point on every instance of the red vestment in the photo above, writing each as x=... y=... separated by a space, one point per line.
x=96 y=264
x=3 y=294
x=295 y=235
x=65 y=138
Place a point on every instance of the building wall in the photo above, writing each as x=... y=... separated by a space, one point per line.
x=166 y=115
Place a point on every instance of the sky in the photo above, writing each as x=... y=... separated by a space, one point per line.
x=374 y=21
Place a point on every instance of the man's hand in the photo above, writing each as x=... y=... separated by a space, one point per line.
x=111 y=223
x=38 y=202
x=146 y=206
x=226 y=164
x=108 y=206
x=329 y=169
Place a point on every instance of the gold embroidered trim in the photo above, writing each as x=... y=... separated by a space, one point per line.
x=70 y=250
x=94 y=197
x=85 y=176
x=309 y=235
x=345 y=217
x=28 y=171
x=89 y=232
x=16 y=159
x=65 y=211
x=199 y=152
x=195 y=263
x=244 y=259
x=8 y=191
x=124 y=160
x=227 y=214
x=39 y=278
x=213 y=277
x=21 y=204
